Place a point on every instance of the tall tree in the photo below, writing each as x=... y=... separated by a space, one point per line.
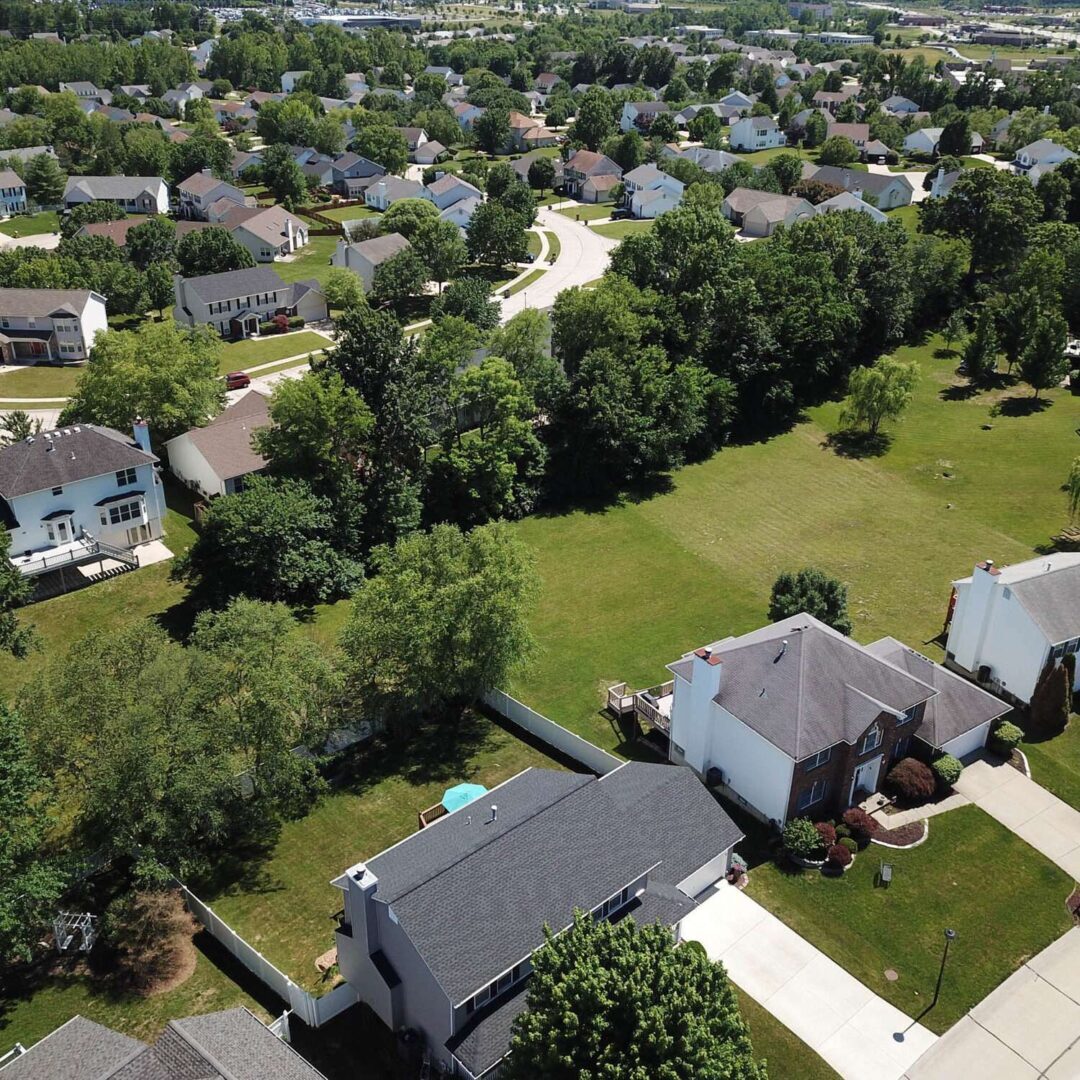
x=595 y=119
x=15 y=590
x=441 y=247
x=1043 y=363
x=491 y=130
x=383 y=144
x=981 y=348
x=878 y=393
x=639 y=1006
x=283 y=176
x=497 y=235
x=151 y=242
x=211 y=251
x=45 y=180
x=812 y=591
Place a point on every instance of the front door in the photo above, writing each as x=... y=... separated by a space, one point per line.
x=63 y=534
x=865 y=778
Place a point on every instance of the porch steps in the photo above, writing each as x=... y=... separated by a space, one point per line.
x=70 y=579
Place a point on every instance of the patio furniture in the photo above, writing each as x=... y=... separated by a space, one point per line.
x=885 y=874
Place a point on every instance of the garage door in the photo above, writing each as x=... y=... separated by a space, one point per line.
x=969 y=742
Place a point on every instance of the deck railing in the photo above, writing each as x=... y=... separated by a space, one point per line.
x=83 y=550
x=649 y=712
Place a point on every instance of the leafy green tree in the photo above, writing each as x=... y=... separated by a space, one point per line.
x=491 y=130
x=157 y=281
x=271 y=541
x=440 y=246
x=956 y=137
x=812 y=591
x=18 y=425
x=328 y=135
x=282 y=175
x=787 y=168
x=623 y=984
x=399 y=278
x=497 y=235
x=383 y=144
x=469 y=297
x=836 y=150
x=202 y=152
x=45 y=180
x=628 y=150
x=442 y=618
x=954 y=329
x=211 y=251
x=1072 y=489
x=706 y=125
x=1051 y=700
x=816 y=131
x=154 y=241
x=595 y=118
x=342 y=288
x=1055 y=193
x=500 y=177
x=30 y=881
x=878 y=393
x=1043 y=363
x=15 y=590
x=160 y=371
x=406 y=216
x=88 y=214
x=524 y=342
x=981 y=349
x=519 y=199
x=541 y=174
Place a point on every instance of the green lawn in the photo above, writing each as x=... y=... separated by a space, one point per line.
x=786 y=1056
x=238 y=355
x=313 y=262
x=349 y=213
x=283 y=906
x=31 y=224
x=761 y=157
x=619 y=230
x=908 y=216
x=39 y=381
x=587 y=211
x=963 y=877
x=533 y=239
x=525 y=282
x=1055 y=762
x=632 y=588
x=554 y=246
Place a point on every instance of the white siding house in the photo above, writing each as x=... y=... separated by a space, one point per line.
x=57 y=325
x=756 y=133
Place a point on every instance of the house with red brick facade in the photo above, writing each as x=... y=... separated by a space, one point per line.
x=795 y=719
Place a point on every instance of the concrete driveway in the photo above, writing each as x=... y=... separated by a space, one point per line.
x=859 y=1034
x=1028 y=1028
x=1048 y=824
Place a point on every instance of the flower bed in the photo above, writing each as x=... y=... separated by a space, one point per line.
x=903 y=836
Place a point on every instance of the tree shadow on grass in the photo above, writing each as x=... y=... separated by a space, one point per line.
x=1021 y=406
x=948 y=353
x=858 y=444
x=959 y=392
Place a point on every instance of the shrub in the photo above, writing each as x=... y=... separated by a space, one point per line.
x=296 y=321
x=827 y=833
x=1005 y=738
x=150 y=934
x=947 y=769
x=847 y=842
x=802 y=839
x=913 y=780
x=842 y=831
x=839 y=856
x=281 y=322
x=860 y=824
x=267 y=327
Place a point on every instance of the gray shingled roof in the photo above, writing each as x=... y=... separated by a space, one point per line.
x=820 y=689
x=114 y=187
x=78 y=453
x=850 y=179
x=1052 y=599
x=225 y=442
x=43 y=302
x=486 y=1038
x=958 y=707
x=79 y=1050
x=234 y=283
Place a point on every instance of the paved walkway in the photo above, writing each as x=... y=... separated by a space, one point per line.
x=859 y=1034
x=1026 y=1029
x=1048 y=824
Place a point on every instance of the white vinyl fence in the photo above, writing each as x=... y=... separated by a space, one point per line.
x=313 y=1011
x=555 y=735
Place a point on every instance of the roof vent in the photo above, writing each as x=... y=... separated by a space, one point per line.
x=494 y=812
x=50 y=448
x=30 y=438
x=783 y=649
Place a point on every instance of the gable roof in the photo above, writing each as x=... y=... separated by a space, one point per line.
x=805 y=687
x=65 y=456
x=225 y=442
x=269 y=224
x=113 y=187
x=9 y=178
x=587 y=161
x=1049 y=590
x=852 y=179
x=44 y=302
x=448 y=182
x=233 y=283
x=202 y=183
x=380 y=248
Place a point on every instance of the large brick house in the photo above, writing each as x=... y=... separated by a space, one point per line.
x=796 y=719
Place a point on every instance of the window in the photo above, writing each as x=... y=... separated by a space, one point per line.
x=871 y=740
x=1007 y=593
x=125 y=477
x=1057 y=652
x=818 y=759
x=131 y=511
x=901 y=748
x=908 y=715
x=1073 y=646
x=57 y=490
x=813 y=794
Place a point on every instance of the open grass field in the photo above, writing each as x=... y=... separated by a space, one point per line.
x=238 y=355
x=959 y=878
x=350 y=213
x=283 y=904
x=31 y=224
x=586 y=211
x=619 y=230
x=630 y=588
x=313 y=262
x=786 y=1056
x=39 y=381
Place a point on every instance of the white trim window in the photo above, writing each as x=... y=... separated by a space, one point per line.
x=871 y=740
x=819 y=759
x=128 y=511
x=813 y=794
x=125 y=477
x=907 y=715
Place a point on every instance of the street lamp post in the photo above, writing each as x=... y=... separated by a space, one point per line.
x=950 y=935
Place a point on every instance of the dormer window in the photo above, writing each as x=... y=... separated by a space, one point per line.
x=871 y=740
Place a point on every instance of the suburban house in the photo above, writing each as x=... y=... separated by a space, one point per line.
x=888 y=190
x=712 y=161
x=430 y=152
x=466 y=114
x=268 y=232
x=438 y=931
x=584 y=166
x=898 y=105
x=1040 y=157
x=449 y=189
x=756 y=133
x=86 y=91
x=414 y=137
x=759 y=213
x=639 y=115
x=12 y=192
x=53 y=325
x=925 y=141
x=875 y=152
x=859 y=134
x=244 y=159
x=230 y=1045
x=1005 y=624
x=461 y=213
x=797 y=719
x=365 y=258
x=216 y=459
x=77 y=495
x=135 y=194
x=389 y=189
x=350 y=166
x=117 y=231
x=235 y=302
x=200 y=191
x=650 y=192
x=850 y=200
x=289 y=79
x=521 y=167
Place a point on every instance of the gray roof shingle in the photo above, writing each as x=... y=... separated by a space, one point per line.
x=1052 y=599
x=233 y=283
x=79 y=1050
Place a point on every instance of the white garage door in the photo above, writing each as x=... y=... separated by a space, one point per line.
x=969 y=742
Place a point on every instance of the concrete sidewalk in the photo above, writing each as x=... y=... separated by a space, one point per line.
x=859 y=1034
x=1029 y=1027
x=1048 y=824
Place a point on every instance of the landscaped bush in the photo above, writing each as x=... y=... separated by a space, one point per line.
x=847 y=842
x=839 y=856
x=1005 y=738
x=281 y=322
x=827 y=834
x=268 y=327
x=860 y=825
x=912 y=780
x=802 y=839
x=947 y=769
x=842 y=831
x=296 y=321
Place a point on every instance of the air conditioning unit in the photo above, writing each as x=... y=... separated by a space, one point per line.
x=714 y=777
x=985 y=671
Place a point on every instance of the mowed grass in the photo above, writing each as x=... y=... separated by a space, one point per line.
x=238 y=355
x=313 y=262
x=908 y=216
x=525 y=282
x=786 y=1056
x=631 y=588
x=959 y=878
x=619 y=230
x=587 y=211
x=39 y=381
x=31 y=224
x=534 y=245
x=554 y=246
x=284 y=905
x=349 y=213
x=1055 y=762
